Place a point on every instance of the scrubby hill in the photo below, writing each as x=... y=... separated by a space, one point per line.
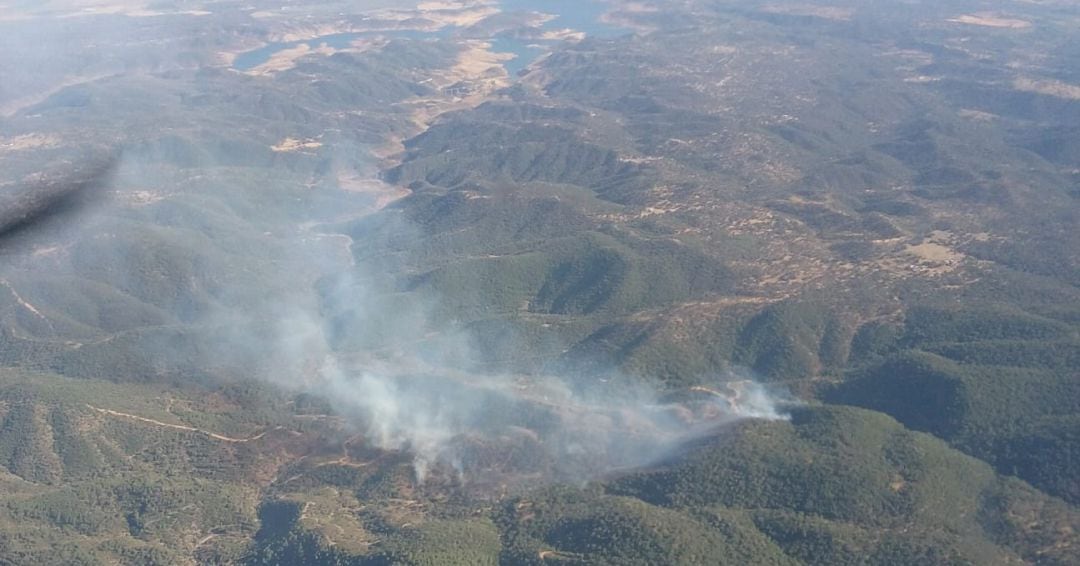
x=833 y=486
x=873 y=208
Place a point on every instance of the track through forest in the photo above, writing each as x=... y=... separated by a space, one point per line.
x=185 y=428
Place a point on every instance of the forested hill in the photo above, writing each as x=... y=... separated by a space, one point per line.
x=297 y=279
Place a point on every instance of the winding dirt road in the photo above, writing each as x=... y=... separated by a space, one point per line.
x=185 y=428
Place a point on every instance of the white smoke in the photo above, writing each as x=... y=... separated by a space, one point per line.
x=323 y=326
x=455 y=420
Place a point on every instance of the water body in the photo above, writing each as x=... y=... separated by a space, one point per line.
x=578 y=15
x=524 y=52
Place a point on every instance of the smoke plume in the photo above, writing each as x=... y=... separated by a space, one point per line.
x=200 y=242
x=397 y=375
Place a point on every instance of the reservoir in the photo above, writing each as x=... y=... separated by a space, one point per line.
x=578 y=15
x=583 y=16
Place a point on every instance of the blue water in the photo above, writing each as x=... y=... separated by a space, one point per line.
x=578 y=15
x=525 y=52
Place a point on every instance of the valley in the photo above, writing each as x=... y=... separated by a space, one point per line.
x=527 y=283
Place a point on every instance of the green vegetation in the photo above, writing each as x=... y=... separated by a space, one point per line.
x=873 y=208
x=833 y=486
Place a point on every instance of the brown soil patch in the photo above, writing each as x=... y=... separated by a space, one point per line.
x=29 y=141
x=287 y=58
x=934 y=255
x=990 y=20
x=977 y=115
x=1048 y=87
x=934 y=252
x=815 y=10
x=471 y=81
x=289 y=145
